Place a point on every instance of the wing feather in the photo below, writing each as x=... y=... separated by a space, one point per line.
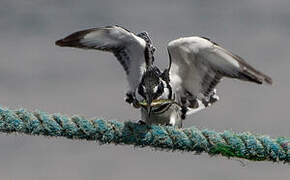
x=197 y=65
x=126 y=46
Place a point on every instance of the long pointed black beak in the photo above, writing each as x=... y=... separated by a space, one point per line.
x=149 y=101
x=149 y=110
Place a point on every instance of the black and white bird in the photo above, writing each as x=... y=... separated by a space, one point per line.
x=196 y=66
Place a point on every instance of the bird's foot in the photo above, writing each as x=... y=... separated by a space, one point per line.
x=183 y=112
x=140 y=122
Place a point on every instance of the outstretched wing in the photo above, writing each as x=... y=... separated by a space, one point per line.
x=197 y=65
x=129 y=49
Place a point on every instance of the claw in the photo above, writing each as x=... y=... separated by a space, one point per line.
x=140 y=122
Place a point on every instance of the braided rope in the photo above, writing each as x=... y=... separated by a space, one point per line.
x=227 y=143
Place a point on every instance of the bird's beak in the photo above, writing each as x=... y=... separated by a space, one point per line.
x=149 y=101
x=148 y=110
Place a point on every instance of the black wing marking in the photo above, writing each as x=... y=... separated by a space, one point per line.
x=197 y=65
x=128 y=48
x=123 y=57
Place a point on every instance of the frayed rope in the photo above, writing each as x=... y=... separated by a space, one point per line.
x=227 y=143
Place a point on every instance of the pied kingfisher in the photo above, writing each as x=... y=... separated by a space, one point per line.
x=196 y=66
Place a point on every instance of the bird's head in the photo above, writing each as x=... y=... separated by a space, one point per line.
x=151 y=86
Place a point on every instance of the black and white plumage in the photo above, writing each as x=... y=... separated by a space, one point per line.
x=126 y=46
x=196 y=66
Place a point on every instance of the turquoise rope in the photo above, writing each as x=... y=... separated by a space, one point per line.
x=227 y=143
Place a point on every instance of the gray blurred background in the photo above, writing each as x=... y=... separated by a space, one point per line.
x=36 y=74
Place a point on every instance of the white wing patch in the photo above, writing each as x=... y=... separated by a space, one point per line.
x=197 y=65
x=126 y=46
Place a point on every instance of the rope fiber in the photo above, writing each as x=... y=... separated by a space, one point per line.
x=242 y=145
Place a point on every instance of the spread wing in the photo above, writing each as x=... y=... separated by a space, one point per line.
x=129 y=49
x=197 y=65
